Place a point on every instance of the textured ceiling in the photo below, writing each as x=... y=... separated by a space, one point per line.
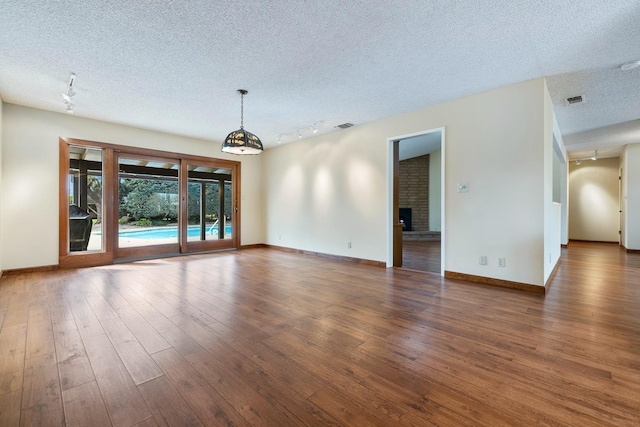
x=174 y=66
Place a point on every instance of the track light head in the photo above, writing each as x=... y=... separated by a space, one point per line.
x=70 y=93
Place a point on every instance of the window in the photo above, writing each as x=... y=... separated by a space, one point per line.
x=123 y=202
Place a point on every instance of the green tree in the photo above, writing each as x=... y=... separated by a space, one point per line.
x=148 y=198
x=94 y=196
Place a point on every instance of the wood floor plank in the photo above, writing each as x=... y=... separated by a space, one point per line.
x=268 y=337
x=17 y=310
x=207 y=403
x=148 y=337
x=39 y=333
x=421 y=255
x=123 y=400
x=41 y=395
x=273 y=362
x=73 y=364
x=10 y=408
x=149 y=422
x=166 y=404
x=286 y=399
x=223 y=372
x=140 y=365
x=12 y=348
x=85 y=318
x=344 y=410
x=169 y=301
x=83 y=406
x=180 y=341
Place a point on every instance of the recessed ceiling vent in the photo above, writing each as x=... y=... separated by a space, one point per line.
x=574 y=100
x=344 y=125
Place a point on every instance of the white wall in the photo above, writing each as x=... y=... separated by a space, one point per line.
x=29 y=191
x=561 y=151
x=435 y=190
x=631 y=196
x=326 y=191
x=552 y=210
x=594 y=200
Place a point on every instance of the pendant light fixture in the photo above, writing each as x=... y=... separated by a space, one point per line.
x=240 y=141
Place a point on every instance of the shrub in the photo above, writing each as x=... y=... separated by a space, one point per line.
x=143 y=222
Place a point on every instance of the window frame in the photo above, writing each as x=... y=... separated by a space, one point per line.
x=110 y=160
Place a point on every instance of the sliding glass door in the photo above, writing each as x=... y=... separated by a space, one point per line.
x=127 y=203
x=210 y=206
x=148 y=206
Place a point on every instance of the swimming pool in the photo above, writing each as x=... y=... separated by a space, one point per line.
x=170 y=232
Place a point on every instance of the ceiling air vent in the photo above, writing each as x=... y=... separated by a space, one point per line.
x=344 y=125
x=574 y=100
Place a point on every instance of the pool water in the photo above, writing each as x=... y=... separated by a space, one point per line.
x=171 y=232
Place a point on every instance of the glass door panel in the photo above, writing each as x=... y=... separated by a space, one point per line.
x=148 y=202
x=85 y=199
x=228 y=210
x=209 y=203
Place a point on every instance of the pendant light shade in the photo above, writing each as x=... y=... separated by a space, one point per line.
x=240 y=141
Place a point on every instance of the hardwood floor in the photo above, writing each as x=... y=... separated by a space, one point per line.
x=266 y=337
x=421 y=255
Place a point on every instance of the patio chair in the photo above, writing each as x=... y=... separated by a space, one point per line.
x=80 y=223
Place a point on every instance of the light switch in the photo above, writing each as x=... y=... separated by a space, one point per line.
x=463 y=187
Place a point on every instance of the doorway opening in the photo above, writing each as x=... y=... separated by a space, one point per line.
x=417 y=201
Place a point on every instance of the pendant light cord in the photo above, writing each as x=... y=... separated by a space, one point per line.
x=241 y=110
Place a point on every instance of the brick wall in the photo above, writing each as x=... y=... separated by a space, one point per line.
x=414 y=190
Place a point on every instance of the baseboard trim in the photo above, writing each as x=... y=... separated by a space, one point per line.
x=14 y=271
x=495 y=282
x=254 y=246
x=552 y=275
x=563 y=246
x=593 y=241
x=630 y=251
x=329 y=256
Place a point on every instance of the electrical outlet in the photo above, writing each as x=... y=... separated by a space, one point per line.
x=502 y=262
x=483 y=260
x=349 y=245
x=279 y=236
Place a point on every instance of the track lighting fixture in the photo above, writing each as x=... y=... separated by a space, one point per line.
x=69 y=93
x=630 y=65
x=594 y=157
x=301 y=131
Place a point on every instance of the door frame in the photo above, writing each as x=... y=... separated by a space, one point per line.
x=110 y=251
x=394 y=232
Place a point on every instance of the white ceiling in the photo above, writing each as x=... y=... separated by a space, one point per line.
x=420 y=145
x=174 y=66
